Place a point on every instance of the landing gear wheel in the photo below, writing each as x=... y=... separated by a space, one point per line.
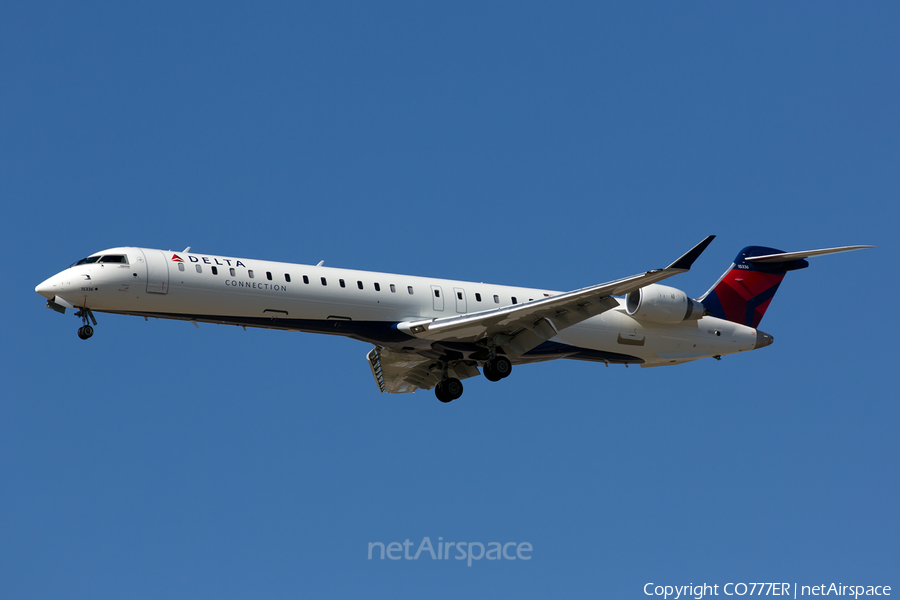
x=441 y=393
x=490 y=373
x=502 y=366
x=497 y=368
x=86 y=331
x=453 y=387
x=448 y=390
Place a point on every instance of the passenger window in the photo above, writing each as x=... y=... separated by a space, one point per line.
x=496 y=299
x=305 y=279
x=231 y=271
x=287 y=277
x=477 y=297
x=199 y=268
x=269 y=275
x=250 y=273
x=215 y=271
x=341 y=281
x=324 y=282
x=410 y=290
x=359 y=284
x=181 y=266
x=377 y=288
x=514 y=300
x=393 y=289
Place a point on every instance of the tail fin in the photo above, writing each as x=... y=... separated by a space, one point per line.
x=744 y=292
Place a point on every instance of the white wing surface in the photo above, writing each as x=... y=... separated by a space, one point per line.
x=520 y=327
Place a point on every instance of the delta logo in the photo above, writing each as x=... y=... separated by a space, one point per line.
x=210 y=261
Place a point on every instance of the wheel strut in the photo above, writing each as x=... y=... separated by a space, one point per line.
x=87 y=317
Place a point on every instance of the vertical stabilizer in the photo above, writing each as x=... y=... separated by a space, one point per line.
x=744 y=292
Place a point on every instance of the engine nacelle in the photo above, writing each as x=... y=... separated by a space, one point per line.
x=662 y=304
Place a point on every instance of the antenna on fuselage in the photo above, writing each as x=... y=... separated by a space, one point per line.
x=186 y=250
x=321 y=262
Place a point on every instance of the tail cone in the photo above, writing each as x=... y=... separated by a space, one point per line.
x=763 y=339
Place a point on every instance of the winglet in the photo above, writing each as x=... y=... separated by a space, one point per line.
x=684 y=263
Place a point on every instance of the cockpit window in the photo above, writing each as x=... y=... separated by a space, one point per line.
x=87 y=261
x=115 y=258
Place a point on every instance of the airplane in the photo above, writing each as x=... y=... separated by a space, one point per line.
x=430 y=333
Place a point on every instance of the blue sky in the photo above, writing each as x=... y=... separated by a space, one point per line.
x=527 y=144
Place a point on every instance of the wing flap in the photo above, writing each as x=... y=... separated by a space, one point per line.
x=398 y=372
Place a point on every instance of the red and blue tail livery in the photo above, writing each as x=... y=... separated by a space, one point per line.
x=744 y=292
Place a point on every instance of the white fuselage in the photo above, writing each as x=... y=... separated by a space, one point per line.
x=363 y=305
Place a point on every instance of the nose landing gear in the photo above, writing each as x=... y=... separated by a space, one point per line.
x=87 y=317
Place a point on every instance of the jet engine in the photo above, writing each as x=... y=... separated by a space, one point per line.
x=662 y=304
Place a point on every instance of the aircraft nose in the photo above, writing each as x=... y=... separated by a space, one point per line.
x=47 y=288
x=763 y=339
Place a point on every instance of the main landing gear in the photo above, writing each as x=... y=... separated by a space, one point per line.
x=497 y=368
x=87 y=317
x=449 y=389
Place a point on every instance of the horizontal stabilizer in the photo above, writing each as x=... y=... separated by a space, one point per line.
x=789 y=256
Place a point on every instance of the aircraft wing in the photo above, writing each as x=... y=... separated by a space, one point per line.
x=399 y=372
x=520 y=327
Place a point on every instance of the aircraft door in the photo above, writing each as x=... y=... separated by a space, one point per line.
x=157 y=271
x=460 y=299
x=438 y=296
